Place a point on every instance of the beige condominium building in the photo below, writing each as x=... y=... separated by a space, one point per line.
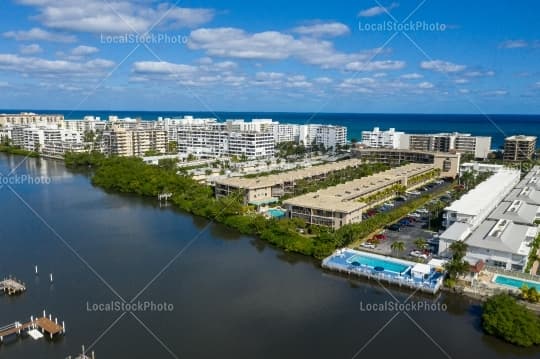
x=31 y=119
x=133 y=142
x=519 y=148
x=345 y=203
x=447 y=163
x=267 y=189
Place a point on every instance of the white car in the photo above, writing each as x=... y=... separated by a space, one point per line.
x=414 y=193
x=415 y=215
x=368 y=245
x=418 y=254
x=389 y=204
x=422 y=211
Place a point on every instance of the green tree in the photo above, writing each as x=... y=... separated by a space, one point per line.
x=503 y=317
x=420 y=243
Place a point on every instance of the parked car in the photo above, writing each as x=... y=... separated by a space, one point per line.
x=389 y=204
x=368 y=245
x=422 y=211
x=415 y=215
x=418 y=254
x=380 y=237
x=414 y=193
x=394 y=227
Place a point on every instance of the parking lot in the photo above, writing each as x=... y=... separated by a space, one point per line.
x=407 y=230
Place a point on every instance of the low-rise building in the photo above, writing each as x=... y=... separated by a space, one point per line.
x=344 y=204
x=474 y=206
x=479 y=167
x=269 y=188
x=501 y=243
x=447 y=163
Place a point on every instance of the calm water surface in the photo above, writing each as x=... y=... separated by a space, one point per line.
x=233 y=296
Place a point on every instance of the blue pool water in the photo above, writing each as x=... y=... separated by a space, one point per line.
x=276 y=213
x=375 y=262
x=516 y=283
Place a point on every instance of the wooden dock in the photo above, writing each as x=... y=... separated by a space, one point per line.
x=12 y=286
x=46 y=324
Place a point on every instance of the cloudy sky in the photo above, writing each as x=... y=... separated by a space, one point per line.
x=438 y=56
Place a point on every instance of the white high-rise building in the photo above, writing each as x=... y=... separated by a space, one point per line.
x=327 y=135
x=383 y=139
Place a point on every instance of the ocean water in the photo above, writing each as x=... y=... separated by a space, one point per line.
x=496 y=126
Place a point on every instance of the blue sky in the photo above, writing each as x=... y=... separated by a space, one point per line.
x=314 y=56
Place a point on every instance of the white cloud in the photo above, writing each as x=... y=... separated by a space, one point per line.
x=31 y=49
x=426 y=85
x=323 y=80
x=84 y=50
x=38 y=34
x=442 y=66
x=375 y=65
x=44 y=67
x=461 y=81
x=330 y=29
x=115 y=16
x=274 y=45
x=464 y=91
x=377 y=10
x=513 y=44
x=495 y=93
x=412 y=76
x=488 y=73
x=205 y=72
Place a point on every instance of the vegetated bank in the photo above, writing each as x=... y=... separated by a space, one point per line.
x=14 y=150
x=132 y=175
x=505 y=318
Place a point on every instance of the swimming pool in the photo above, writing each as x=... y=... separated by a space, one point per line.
x=514 y=282
x=373 y=263
x=276 y=213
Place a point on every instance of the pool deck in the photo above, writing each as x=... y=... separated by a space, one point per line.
x=339 y=262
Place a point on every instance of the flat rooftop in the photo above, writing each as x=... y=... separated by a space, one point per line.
x=476 y=200
x=502 y=235
x=289 y=176
x=397 y=150
x=521 y=138
x=343 y=197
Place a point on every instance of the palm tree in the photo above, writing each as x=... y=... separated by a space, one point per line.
x=420 y=243
x=459 y=249
x=398 y=246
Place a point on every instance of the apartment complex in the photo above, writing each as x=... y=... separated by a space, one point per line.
x=447 y=163
x=119 y=141
x=383 y=139
x=31 y=119
x=436 y=142
x=451 y=142
x=344 y=204
x=519 y=148
x=269 y=188
x=473 y=207
x=503 y=237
